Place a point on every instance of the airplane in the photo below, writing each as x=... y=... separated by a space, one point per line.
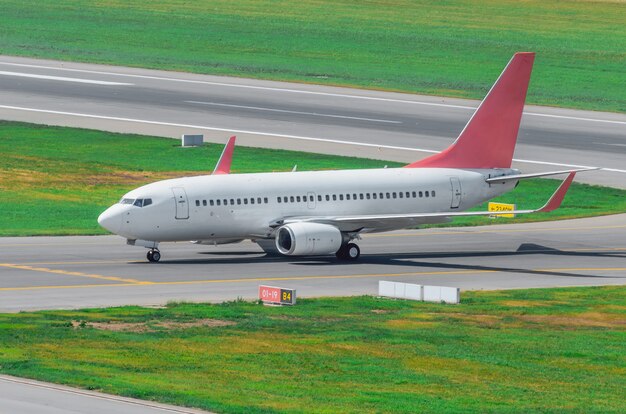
x=303 y=213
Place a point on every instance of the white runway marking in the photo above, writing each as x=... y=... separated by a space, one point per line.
x=612 y=145
x=239 y=131
x=287 y=90
x=258 y=108
x=63 y=79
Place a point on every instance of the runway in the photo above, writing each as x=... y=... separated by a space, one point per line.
x=24 y=396
x=391 y=126
x=78 y=272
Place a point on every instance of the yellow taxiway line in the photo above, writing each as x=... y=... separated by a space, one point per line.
x=68 y=273
x=131 y=282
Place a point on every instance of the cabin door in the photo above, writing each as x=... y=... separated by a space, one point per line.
x=456 y=192
x=182 y=206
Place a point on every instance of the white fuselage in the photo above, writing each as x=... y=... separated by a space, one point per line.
x=244 y=206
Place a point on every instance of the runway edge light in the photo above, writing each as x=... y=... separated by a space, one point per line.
x=276 y=295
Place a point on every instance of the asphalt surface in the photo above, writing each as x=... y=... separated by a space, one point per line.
x=373 y=124
x=78 y=272
x=23 y=396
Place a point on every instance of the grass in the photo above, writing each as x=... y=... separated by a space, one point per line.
x=56 y=180
x=450 y=48
x=518 y=351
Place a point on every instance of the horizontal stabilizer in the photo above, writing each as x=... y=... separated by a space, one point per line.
x=504 y=178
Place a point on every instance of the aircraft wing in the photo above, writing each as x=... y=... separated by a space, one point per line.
x=369 y=223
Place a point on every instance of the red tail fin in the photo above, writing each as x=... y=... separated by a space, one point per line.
x=223 y=164
x=488 y=139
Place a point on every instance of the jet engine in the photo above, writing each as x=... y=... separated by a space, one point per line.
x=304 y=239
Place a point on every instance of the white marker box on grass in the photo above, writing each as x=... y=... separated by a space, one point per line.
x=399 y=290
x=192 y=140
x=442 y=294
x=387 y=289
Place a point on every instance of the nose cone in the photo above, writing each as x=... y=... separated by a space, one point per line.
x=111 y=219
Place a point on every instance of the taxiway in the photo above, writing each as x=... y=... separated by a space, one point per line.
x=78 y=272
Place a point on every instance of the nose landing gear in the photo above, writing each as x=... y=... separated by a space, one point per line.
x=154 y=255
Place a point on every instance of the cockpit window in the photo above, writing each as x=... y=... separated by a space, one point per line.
x=140 y=202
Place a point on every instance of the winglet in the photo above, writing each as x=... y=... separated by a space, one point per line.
x=488 y=140
x=557 y=198
x=223 y=165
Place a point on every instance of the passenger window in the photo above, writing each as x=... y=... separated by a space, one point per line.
x=401 y=194
x=304 y=198
x=211 y=202
x=277 y=199
x=348 y=197
x=426 y=193
x=421 y=194
x=354 y=196
x=334 y=197
x=367 y=195
x=374 y=196
x=311 y=198
x=266 y=200
x=319 y=198
x=327 y=197
x=197 y=203
x=232 y=201
x=388 y=195
x=432 y=193
x=340 y=197
x=414 y=194
x=393 y=195
x=298 y=199
x=258 y=200
x=204 y=203
x=252 y=200
x=361 y=196
x=245 y=201
x=238 y=201
x=292 y=199
x=218 y=202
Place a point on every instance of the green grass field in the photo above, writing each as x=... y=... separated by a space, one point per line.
x=56 y=181
x=450 y=48
x=520 y=351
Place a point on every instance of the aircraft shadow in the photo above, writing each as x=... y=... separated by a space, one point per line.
x=411 y=260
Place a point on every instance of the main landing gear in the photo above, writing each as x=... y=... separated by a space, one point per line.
x=154 y=255
x=349 y=252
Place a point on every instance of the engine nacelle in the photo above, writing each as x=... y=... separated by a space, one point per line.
x=304 y=239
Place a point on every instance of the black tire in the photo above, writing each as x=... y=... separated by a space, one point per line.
x=150 y=256
x=156 y=256
x=342 y=253
x=353 y=252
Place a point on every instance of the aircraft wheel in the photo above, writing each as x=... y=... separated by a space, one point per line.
x=153 y=256
x=353 y=252
x=348 y=252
